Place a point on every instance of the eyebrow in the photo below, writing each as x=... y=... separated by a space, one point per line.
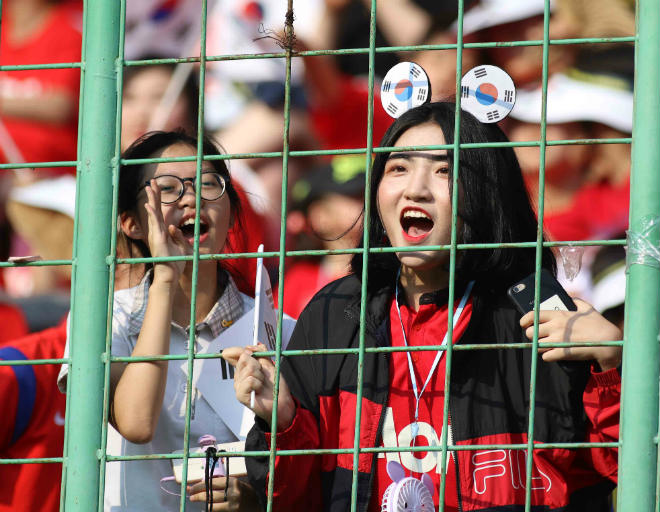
x=417 y=154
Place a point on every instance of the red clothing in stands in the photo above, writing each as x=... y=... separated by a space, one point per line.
x=427 y=326
x=32 y=424
x=59 y=41
x=13 y=323
x=343 y=125
x=301 y=282
x=598 y=211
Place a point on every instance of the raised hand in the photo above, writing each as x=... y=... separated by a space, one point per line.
x=258 y=375
x=164 y=240
x=583 y=325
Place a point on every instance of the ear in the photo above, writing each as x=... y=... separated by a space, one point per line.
x=395 y=471
x=130 y=226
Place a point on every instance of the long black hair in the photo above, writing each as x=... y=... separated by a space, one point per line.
x=493 y=204
x=133 y=177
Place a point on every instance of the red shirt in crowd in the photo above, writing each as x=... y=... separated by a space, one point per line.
x=59 y=41
x=32 y=423
x=597 y=211
x=13 y=323
x=343 y=124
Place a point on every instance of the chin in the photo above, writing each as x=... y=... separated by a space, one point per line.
x=424 y=260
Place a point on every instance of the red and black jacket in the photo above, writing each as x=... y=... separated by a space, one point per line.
x=489 y=401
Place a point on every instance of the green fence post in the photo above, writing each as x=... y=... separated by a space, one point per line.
x=639 y=417
x=90 y=268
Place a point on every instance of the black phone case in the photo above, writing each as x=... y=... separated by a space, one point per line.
x=522 y=293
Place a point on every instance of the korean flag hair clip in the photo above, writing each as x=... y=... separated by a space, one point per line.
x=405 y=86
x=487 y=92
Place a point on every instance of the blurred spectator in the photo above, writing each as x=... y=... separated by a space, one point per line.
x=163 y=27
x=326 y=214
x=587 y=186
x=33 y=423
x=39 y=107
x=510 y=20
x=143 y=105
x=597 y=18
x=346 y=23
x=39 y=124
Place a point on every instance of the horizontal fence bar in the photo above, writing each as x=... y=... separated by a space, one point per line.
x=392 y=449
x=30 y=67
x=335 y=351
x=39 y=165
x=321 y=252
x=380 y=49
x=384 y=149
x=34 y=362
x=373 y=250
x=41 y=263
x=328 y=152
x=37 y=460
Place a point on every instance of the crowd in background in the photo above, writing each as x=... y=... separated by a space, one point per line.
x=586 y=192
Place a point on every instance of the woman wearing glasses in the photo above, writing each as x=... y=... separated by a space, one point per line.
x=148 y=399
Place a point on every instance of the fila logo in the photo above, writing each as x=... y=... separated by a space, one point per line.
x=491 y=465
x=432 y=461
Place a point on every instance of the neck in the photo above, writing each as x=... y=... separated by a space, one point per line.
x=416 y=282
x=208 y=292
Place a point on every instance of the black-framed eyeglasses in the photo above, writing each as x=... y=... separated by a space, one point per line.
x=172 y=187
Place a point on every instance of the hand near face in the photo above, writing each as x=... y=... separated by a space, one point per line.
x=583 y=325
x=163 y=240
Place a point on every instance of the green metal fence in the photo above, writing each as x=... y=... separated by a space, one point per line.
x=94 y=259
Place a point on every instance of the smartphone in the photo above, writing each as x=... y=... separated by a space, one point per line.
x=553 y=297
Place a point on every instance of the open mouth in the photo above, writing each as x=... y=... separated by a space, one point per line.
x=416 y=224
x=187 y=227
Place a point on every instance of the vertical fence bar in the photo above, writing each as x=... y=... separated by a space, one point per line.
x=639 y=415
x=365 y=256
x=289 y=38
x=97 y=148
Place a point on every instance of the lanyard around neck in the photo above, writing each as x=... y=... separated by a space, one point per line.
x=438 y=356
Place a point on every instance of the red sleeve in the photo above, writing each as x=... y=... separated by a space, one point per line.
x=291 y=491
x=9 y=403
x=602 y=404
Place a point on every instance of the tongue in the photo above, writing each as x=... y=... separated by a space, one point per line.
x=419 y=227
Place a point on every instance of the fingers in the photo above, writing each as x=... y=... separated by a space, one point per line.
x=252 y=374
x=232 y=354
x=222 y=500
x=217 y=483
x=153 y=199
x=544 y=316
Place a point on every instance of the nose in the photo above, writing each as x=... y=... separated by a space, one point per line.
x=188 y=196
x=418 y=185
